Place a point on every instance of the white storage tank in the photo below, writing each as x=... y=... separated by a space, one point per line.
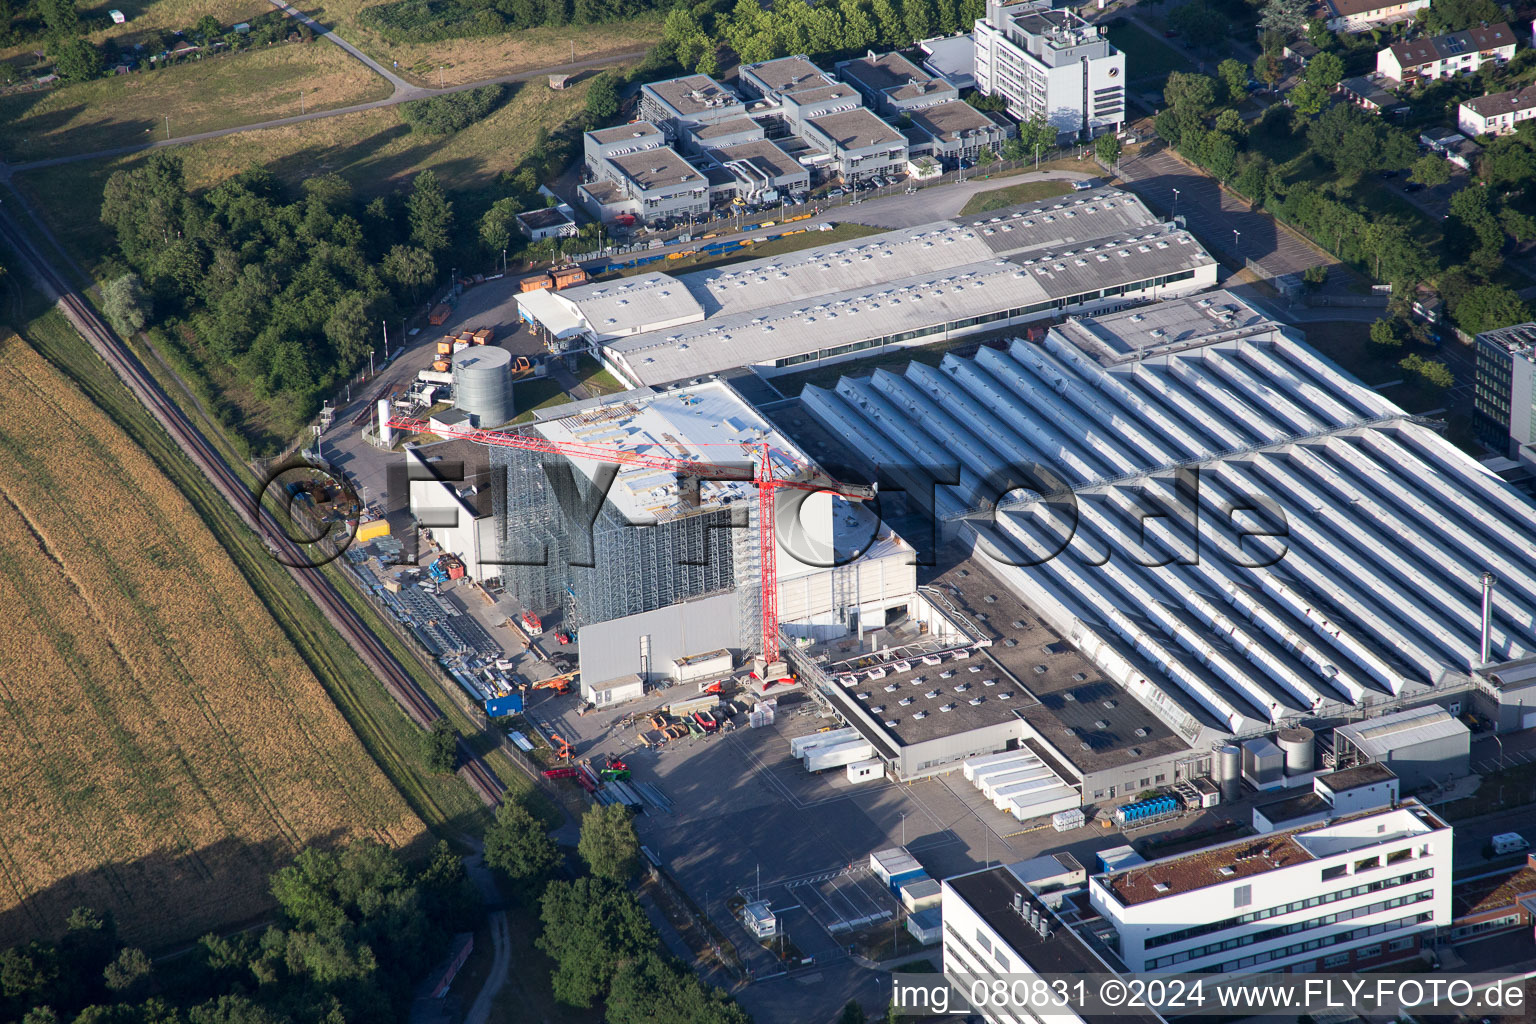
x=482 y=385
x=1229 y=768
x=1297 y=745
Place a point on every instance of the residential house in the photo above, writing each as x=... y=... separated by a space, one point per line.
x=1367 y=95
x=1497 y=113
x=1364 y=15
x=1459 y=53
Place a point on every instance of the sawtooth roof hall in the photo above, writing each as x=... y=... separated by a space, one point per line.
x=1091 y=250
x=1377 y=594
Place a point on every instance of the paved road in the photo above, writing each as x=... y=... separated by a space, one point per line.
x=403 y=90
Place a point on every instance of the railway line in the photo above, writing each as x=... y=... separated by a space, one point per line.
x=397 y=681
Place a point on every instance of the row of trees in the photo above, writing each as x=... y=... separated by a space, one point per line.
x=426 y=21
x=604 y=948
x=758 y=32
x=356 y=928
x=279 y=294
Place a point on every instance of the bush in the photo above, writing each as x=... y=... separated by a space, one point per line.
x=1385 y=332
x=1433 y=373
x=1315 y=277
x=444 y=115
x=439 y=747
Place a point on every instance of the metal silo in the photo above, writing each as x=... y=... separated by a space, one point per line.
x=482 y=384
x=1298 y=746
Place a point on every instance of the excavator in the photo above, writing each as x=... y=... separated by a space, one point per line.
x=562 y=748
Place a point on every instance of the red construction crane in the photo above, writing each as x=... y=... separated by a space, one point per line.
x=762 y=477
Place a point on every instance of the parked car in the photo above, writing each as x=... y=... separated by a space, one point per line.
x=1082 y=186
x=1413 y=186
x=834 y=193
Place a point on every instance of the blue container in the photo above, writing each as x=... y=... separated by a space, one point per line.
x=897 y=881
x=511 y=704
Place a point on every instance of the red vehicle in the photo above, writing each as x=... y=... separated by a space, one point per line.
x=563 y=636
x=532 y=625
x=706 y=721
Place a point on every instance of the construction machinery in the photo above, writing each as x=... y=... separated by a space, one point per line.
x=560 y=684
x=562 y=748
x=804 y=478
x=521 y=366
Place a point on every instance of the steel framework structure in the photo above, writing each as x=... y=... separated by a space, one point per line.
x=763 y=478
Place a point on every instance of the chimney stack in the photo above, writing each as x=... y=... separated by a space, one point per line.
x=1488 y=581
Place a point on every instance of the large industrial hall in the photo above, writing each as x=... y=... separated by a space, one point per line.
x=1370 y=590
x=1099 y=249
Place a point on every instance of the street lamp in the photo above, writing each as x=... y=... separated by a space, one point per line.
x=1175 y=202
x=1236 y=241
x=1037 y=155
x=903 y=828
x=440 y=76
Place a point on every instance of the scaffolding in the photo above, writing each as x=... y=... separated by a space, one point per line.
x=686 y=553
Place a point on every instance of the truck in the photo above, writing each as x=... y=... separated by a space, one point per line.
x=1509 y=842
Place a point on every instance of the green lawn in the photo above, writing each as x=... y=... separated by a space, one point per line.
x=1146 y=57
x=201 y=96
x=1012 y=195
x=540 y=393
x=596 y=379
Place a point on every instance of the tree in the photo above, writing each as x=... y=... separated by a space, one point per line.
x=1315 y=276
x=349 y=328
x=1231 y=124
x=78 y=61
x=1107 y=148
x=592 y=928
x=1234 y=76
x=1520 y=225
x=1268 y=69
x=1431 y=169
x=1286 y=16
x=608 y=842
x=430 y=213
x=123 y=300
x=208 y=28
x=1385 y=332
x=498 y=223
x=1326 y=70
x=1190 y=94
x=61 y=17
x=1435 y=374
x=651 y=991
x=602 y=99
x=852 y=1013
x=1445 y=16
x=918 y=19
x=124 y=974
x=1308 y=98
x=409 y=267
x=440 y=746
x=1489 y=306
x=517 y=844
x=1200 y=23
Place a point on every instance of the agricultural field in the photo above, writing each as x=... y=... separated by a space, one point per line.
x=201 y=96
x=373 y=149
x=166 y=747
x=475 y=59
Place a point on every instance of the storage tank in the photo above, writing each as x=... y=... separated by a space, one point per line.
x=482 y=379
x=1229 y=770
x=1298 y=745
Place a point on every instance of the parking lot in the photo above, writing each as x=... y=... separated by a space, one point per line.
x=1214 y=214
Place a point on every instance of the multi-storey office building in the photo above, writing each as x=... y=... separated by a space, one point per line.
x=1353 y=892
x=1052 y=63
x=1505 y=403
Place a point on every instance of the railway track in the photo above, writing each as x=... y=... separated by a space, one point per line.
x=397 y=681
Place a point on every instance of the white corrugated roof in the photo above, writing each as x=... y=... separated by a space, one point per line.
x=1378 y=737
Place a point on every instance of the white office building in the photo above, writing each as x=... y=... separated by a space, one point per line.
x=995 y=925
x=1346 y=894
x=1051 y=62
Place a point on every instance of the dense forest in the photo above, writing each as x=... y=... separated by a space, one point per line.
x=284 y=293
x=356 y=930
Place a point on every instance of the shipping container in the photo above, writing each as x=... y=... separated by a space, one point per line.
x=567 y=277
x=881 y=861
x=440 y=366
x=866 y=771
x=440 y=314
x=536 y=283
x=970 y=766
x=895 y=882
x=800 y=744
x=508 y=704
x=445 y=348
x=684 y=708
x=921 y=894
x=701 y=666
x=371 y=528
x=838 y=755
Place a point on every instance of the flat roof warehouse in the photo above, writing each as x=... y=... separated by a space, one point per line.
x=891 y=288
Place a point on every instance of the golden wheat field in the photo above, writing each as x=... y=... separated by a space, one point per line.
x=163 y=748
